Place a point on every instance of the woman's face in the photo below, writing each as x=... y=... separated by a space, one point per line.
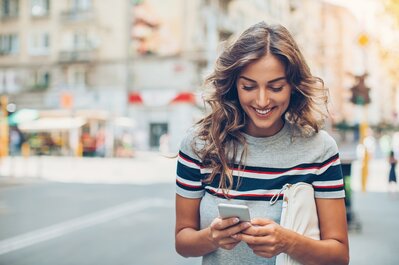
x=264 y=95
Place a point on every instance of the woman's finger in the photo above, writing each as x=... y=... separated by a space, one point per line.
x=256 y=231
x=228 y=240
x=221 y=224
x=229 y=246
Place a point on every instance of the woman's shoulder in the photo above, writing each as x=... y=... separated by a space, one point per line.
x=328 y=140
x=322 y=136
x=320 y=141
x=328 y=143
x=191 y=142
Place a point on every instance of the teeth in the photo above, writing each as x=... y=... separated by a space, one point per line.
x=263 y=112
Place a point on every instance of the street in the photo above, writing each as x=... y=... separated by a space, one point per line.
x=49 y=222
x=87 y=224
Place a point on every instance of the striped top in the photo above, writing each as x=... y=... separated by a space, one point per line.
x=271 y=162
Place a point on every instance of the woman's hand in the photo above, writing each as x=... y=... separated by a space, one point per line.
x=222 y=230
x=265 y=237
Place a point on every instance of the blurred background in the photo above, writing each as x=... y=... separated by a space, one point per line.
x=96 y=94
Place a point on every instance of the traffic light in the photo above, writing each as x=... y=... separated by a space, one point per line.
x=360 y=92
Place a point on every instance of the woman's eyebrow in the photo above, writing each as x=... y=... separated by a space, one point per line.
x=248 y=79
x=271 y=81
x=276 y=79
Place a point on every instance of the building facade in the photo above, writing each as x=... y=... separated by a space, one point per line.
x=147 y=59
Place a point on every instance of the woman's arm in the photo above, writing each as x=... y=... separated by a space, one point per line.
x=333 y=248
x=193 y=242
x=268 y=239
x=189 y=241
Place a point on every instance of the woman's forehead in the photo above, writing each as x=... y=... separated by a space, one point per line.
x=266 y=68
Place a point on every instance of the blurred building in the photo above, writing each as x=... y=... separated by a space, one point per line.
x=147 y=59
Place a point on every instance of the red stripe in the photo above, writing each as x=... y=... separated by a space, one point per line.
x=282 y=172
x=188 y=185
x=190 y=161
x=315 y=167
x=246 y=195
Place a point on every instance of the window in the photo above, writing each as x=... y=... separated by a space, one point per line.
x=157 y=130
x=9 y=8
x=9 y=82
x=2 y=82
x=80 y=40
x=8 y=44
x=80 y=5
x=41 y=79
x=39 y=44
x=77 y=76
x=76 y=40
x=40 y=8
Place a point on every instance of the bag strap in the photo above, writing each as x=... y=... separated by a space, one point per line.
x=276 y=195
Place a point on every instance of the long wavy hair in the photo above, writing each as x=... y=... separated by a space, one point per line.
x=221 y=129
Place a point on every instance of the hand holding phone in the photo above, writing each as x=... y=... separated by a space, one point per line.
x=234 y=210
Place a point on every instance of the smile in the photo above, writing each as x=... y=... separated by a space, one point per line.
x=263 y=111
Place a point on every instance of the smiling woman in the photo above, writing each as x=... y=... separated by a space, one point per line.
x=263 y=133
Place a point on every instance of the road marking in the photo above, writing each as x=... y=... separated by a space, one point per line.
x=44 y=234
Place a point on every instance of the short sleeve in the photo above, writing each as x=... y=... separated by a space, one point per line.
x=188 y=173
x=329 y=182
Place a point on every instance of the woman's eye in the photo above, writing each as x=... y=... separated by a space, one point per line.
x=277 y=89
x=248 y=87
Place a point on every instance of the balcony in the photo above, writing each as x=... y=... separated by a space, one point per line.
x=4 y=17
x=76 y=15
x=76 y=56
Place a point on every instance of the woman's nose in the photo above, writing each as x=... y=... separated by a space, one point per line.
x=262 y=98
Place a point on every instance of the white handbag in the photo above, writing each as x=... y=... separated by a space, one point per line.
x=299 y=214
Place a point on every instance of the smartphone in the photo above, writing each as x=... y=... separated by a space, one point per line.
x=234 y=210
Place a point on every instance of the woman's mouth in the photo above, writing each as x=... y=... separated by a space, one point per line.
x=263 y=112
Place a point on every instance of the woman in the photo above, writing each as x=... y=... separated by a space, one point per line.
x=263 y=131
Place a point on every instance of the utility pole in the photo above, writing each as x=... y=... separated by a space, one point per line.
x=361 y=97
x=129 y=16
x=4 y=130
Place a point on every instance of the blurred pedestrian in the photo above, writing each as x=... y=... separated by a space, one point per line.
x=392 y=182
x=16 y=140
x=164 y=143
x=100 y=143
x=262 y=132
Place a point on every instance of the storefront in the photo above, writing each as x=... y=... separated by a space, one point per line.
x=163 y=118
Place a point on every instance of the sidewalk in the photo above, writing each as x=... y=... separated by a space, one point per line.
x=145 y=168
x=378 y=240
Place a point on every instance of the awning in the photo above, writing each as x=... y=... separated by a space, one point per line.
x=156 y=98
x=135 y=98
x=52 y=124
x=23 y=115
x=184 y=97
